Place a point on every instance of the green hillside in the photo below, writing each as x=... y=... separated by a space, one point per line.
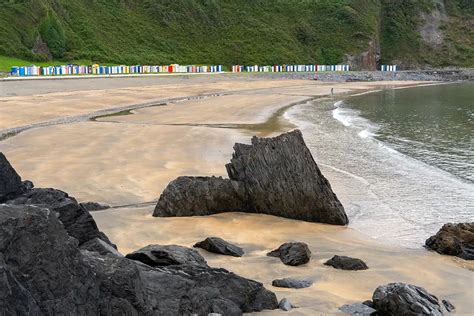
x=226 y=31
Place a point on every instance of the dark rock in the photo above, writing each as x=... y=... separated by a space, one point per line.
x=77 y=221
x=276 y=176
x=220 y=246
x=100 y=246
x=190 y=196
x=346 y=263
x=162 y=256
x=357 y=309
x=454 y=240
x=368 y=303
x=292 y=254
x=10 y=181
x=292 y=283
x=449 y=307
x=285 y=305
x=404 y=299
x=43 y=272
x=93 y=206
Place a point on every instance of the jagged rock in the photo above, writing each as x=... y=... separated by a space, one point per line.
x=10 y=181
x=43 y=272
x=285 y=305
x=357 y=309
x=93 y=206
x=276 y=176
x=292 y=254
x=220 y=246
x=454 y=240
x=162 y=256
x=292 y=283
x=449 y=307
x=77 y=221
x=346 y=263
x=405 y=299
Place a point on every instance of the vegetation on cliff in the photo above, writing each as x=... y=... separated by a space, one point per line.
x=230 y=32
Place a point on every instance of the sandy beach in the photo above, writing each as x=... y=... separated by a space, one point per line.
x=122 y=142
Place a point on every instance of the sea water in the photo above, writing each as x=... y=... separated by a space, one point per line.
x=400 y=160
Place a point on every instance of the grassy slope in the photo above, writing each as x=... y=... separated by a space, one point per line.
x=234 y=31
x=194 y=31
x=402 y=43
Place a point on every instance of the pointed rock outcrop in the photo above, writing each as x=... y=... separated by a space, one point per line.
x=275 y=176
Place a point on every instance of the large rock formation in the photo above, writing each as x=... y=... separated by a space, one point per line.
x=454 y=240
x=54 y=261
x=276 y=176
x=405 y=300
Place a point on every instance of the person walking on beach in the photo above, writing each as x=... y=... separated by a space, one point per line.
x=332 y=91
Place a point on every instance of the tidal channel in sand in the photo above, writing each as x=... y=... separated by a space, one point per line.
x=188 y=127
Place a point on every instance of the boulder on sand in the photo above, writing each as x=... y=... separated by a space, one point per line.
x=162 y=256
x=454 y=240
x=292 y=283
x=220 y=246
x=275 y=176
x=292 y=254
x=346 y=263
x=405 y=299
x=357 y=309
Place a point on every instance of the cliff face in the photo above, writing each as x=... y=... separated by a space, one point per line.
x=365 y=33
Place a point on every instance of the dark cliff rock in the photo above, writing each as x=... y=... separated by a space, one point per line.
x=220 y=246
x=45 y=273
x=346 y=263
x=454 y=240
x=276 y=176
x=405 y=300
x=10 y=181
x=77 y=221
x=292 y=254
x=162 y=256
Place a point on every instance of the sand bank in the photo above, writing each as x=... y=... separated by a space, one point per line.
x=129 y=159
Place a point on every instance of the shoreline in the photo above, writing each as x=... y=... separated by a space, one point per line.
x=132 y=157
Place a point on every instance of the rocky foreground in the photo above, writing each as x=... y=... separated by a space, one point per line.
x=54 y=260
x=275 y=176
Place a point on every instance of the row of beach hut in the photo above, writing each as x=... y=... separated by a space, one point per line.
x=290 y=68
x=388 y=68
x=64 y=70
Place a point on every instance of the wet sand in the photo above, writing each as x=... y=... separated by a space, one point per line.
x=129 y=159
